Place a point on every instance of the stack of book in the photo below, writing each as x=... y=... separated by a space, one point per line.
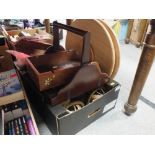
x=20 y=126
x=17 y=119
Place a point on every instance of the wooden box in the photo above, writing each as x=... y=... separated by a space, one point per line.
x=57 y=71
x=58 y=67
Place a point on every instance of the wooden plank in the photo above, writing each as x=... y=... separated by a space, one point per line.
x=11 y=98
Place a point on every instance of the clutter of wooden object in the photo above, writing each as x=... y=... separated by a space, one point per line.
x=66 y=68
x=76 y=77
x=104 y=44
x=28 y=41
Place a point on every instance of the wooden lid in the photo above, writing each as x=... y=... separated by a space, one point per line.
x=101 y=43
x=116 y=47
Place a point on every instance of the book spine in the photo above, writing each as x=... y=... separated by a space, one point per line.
x=30 y=126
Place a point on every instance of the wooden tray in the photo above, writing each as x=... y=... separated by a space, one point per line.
x=116 y=47
x=61 y=65
x=101 y=43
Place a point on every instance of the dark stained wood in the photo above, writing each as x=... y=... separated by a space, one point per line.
x=58 y=67
x=69 y=21
x=144 y=66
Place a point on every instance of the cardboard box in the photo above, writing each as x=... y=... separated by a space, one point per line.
x=15 y=103
x=14 y=111
x=59 y=121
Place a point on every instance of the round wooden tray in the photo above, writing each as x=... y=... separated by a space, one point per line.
x=101 y=43
x=116 y=47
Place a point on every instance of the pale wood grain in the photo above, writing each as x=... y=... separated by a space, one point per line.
x=101 y=43
x=116 y=47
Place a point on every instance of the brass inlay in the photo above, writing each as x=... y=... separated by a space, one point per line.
x=48 y=81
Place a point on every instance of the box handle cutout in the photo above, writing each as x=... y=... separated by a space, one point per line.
x=63 y=114
x=94 y=112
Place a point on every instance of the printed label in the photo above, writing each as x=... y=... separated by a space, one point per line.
x=109 y=106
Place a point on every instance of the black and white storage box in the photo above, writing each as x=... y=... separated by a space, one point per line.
x=62 y=122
